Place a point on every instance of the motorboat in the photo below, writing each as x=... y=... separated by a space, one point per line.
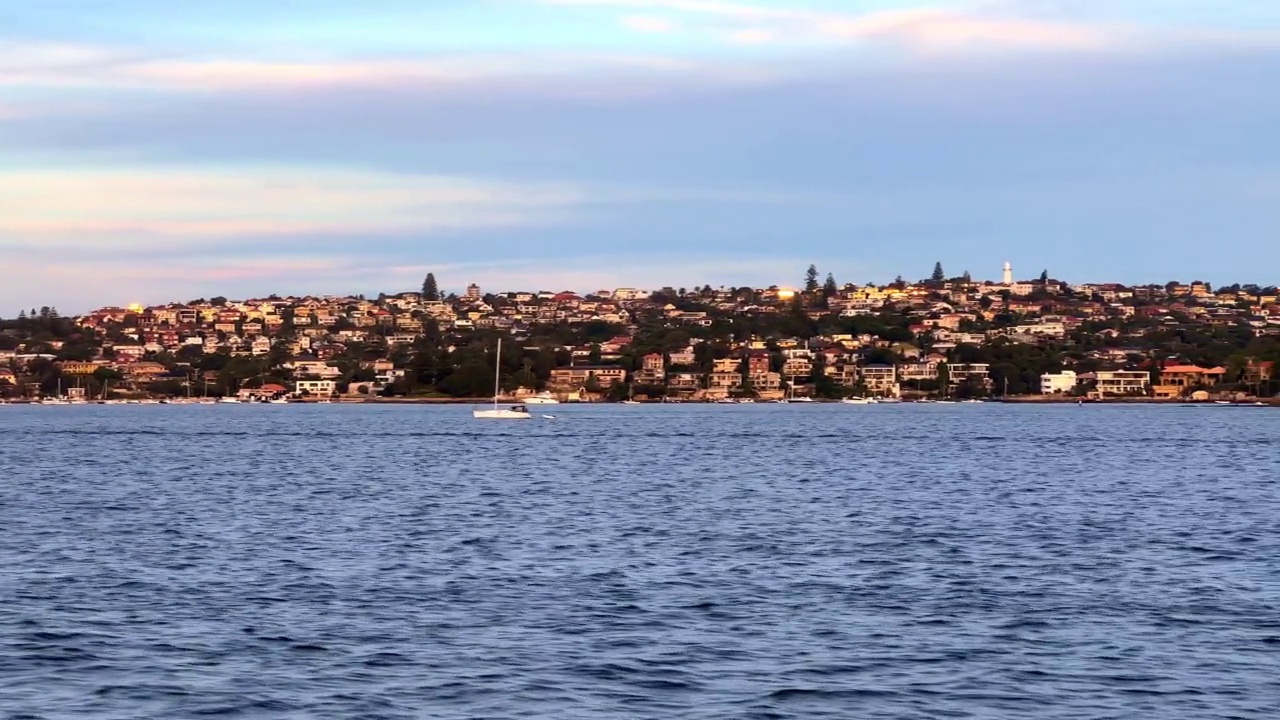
x=229 y=401
x=542 y=398
x=855 y=401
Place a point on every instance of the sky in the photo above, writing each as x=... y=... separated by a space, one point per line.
x=153 y=151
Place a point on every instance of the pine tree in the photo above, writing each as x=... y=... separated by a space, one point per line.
x=430 y=290
x=966 y=277
x=938 y=276
x=22 y=314
x=811 y=279
x=1044 y=276
x=829 y=288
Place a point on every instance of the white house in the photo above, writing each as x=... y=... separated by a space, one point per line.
x=1058 y=383
x=315 y=388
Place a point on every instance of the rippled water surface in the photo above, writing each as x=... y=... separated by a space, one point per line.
x=762 y=561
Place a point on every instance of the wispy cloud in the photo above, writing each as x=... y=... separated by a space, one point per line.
x=59 y=65
x=921 y=29
x=84 y=206
x=647 y=24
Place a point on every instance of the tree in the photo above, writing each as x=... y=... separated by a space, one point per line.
x=829 y=288
x=938 y=275
x=811 y=279
x=966 y=277
x=1044 y=276
x=430 y=290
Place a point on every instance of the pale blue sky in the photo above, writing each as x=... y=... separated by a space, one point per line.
x=155 y=150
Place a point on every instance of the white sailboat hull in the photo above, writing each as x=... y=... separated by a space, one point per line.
x=501 y=414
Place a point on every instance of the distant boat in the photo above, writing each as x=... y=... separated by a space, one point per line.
x=517 y=412
x=855 y=401
x=278 y=401
x=890 y=400
x=228 y=400
x=542 y=398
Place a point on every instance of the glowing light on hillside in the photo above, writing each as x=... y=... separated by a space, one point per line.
x=135 y=307
x=786 y=294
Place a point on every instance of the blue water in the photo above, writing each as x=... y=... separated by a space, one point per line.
x=945 y=561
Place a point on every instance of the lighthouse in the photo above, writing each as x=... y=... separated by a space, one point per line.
x=1008 y=274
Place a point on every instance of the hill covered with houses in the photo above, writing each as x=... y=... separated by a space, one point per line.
x=942 y=336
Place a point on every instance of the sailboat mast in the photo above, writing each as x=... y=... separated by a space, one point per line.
x=497 y=373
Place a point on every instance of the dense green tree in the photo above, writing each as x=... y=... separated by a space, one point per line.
x=829 y=288
x=430 y=290
x=811 y=279
x=938 y=275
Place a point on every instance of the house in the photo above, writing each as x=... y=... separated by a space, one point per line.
x=683 y=357
x=974 y=373
x=266 y=392
x=313 y=367
x=578 y=376
x=1058 y=383
x=927 y=370
x=1259 y=371
x=143 y=371
x=1122 y=382
x=129 y=353
x=1179 y=380
x=797 y=367
x=685 y=381
x=315 y=388
x=880 y=380
x=653 y=370
x=71 y=367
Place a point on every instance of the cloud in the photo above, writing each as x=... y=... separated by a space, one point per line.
x=919 y=29
x=37 y=64
x=85 y=206
x=647 y=24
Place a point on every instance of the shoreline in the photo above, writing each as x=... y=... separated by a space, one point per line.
x=1016 y=400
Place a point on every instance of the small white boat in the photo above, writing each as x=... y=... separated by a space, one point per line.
x=801 y=400
x=516 y=412
x=278 y=401
x=542 y=398
x=229 y=401
x=855 y=401
x=891 y=400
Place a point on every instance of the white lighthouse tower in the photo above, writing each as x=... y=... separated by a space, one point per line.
x=1008 y=274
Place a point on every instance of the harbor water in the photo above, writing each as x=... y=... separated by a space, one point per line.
x=766 y=561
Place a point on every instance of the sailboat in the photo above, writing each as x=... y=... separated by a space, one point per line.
x=517 y=412
x=631 y=400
